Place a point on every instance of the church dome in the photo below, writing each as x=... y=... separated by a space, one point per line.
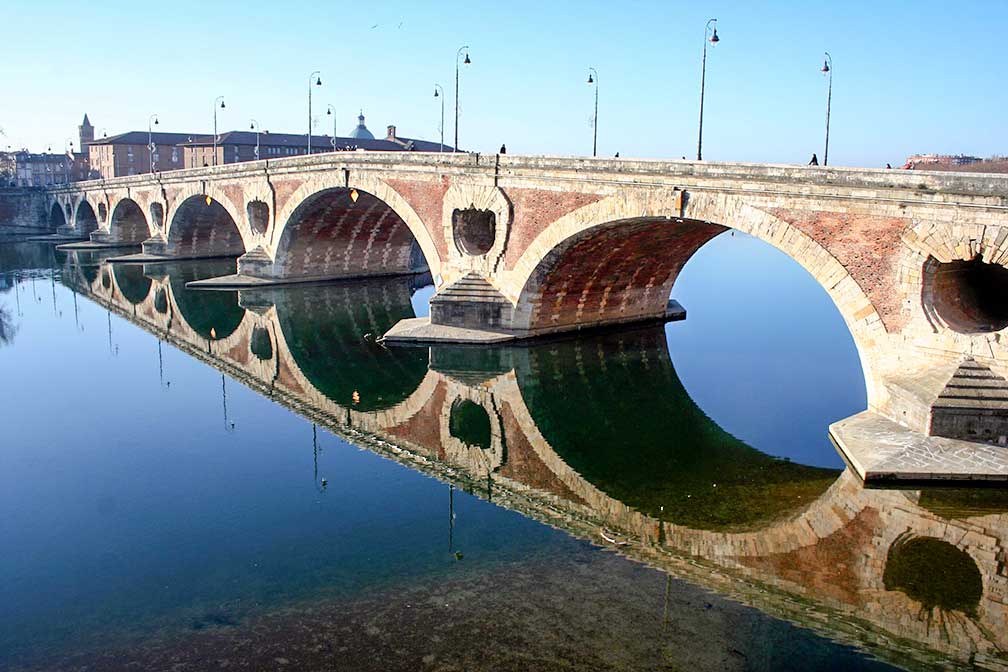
x=361 y=132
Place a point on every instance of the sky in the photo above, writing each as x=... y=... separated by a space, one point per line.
x=908 y=77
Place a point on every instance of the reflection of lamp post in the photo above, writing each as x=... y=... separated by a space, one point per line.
x=150 y=139
x=228 y=427
x=69 y=162
x=221 y=99
x=331 y=111
x=827 y=69
x=594 y=81
x=703 y=75
x=437 y=87
x=254 y=126
x=318 y=82
x=320 y=485
x=467 y=62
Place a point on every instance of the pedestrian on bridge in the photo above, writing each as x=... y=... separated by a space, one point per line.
x=814 y=161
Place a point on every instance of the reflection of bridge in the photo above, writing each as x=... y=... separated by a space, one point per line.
x=522 y=246
x=810 y=547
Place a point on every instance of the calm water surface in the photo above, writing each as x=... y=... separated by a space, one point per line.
x=209 y=480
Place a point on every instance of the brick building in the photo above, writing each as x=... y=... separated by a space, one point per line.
x=128 y=153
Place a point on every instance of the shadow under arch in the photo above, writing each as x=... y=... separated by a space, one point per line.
x=85 y=220
x=56 y=217
x=202 y=227
x=339 y=232
x=330 y=332
x=128 y=222
x=612 y=407
x=214 y=315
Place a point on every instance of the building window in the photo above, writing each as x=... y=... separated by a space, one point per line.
x=174 y=155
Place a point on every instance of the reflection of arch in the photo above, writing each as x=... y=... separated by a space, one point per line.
x=202 y=227
x=85 y=220
x=128 y=223
x=214 y=315
x=131 y=281
x=368 y=189
x=330 y=331
x=565 y=275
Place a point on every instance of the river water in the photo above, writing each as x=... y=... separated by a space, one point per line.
x=196 y=480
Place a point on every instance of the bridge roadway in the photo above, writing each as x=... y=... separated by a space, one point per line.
x=818 y=560
x=526 y=246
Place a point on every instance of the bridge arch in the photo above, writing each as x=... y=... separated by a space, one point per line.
x=56 y=216
x=332 y=226
x=85 y=219
x=203 y=226
x=128 y=222
x=617 y=260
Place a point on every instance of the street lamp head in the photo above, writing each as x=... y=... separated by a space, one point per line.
x=714 y=38
x=825 y=67
x=590 y=80
x=155 y=121
x=222 y=104
x=318 y=81
x=329 y=112
x=466 y=61
x=435 y=93
x=252 y=127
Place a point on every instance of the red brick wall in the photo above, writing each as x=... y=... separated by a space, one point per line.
x=198 y=229
x=868 y=247
x=427 y=200
x=534 y=211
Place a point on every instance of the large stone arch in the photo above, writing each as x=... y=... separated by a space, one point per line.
x=204 y=227
x=85 y=217
x=56 y=216
x=217 y=194
x=128 y=222
x=382 y=201
x=597 y=237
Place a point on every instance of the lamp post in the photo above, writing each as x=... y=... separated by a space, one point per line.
x=458 y=55
x=68 y=154
x=331 y=111
x=594 y=80
x=254 y=126
x=827 y=69
x=214 y=106
x=703 y=75
x=318 y=82
x=150 y=139
x=437 y=87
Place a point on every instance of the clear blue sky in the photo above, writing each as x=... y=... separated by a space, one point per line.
x=909 y=77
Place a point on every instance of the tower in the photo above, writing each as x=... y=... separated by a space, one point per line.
x=86 y=131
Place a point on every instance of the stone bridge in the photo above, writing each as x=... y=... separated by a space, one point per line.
x=527 y=246
x=492 y=421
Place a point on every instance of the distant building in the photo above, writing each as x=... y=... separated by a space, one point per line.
x=128 y=153
x=42 y=170
x=238 y=146
x=938 y=160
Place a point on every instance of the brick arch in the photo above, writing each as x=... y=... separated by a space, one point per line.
x=199 y=228
x=217 y=195
x=56 y=217
x=128 y=222
x=85 y=219
x=613 y=271
x=374 y=193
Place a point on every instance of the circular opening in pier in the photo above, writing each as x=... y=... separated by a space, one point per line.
x=161 y=301
x=157 y=215
x=258 y=216
x=934 y=573
x=469 y=423
x=260 y=344
x=474 y=230
x=969 y=296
